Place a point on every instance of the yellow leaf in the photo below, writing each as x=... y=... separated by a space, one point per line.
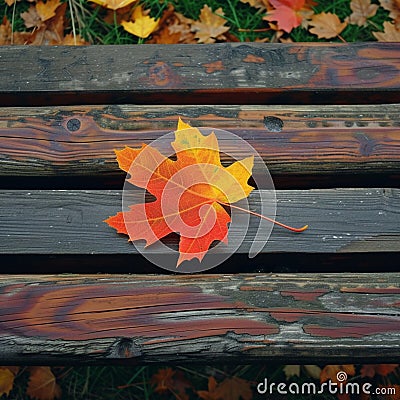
x=113 y=4
x=362 y=10
x=42 y=384
x=143 y=25
x=326 y=25
x=6 y=381
x=47 y=10
x=390 y=33
x=210 y=26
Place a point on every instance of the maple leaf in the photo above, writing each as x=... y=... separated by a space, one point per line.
x=42 y=384
x=390 y=33
x=393 y=6
x=197 y=178
x=210 y=26
x=190 y=193
x=327 y=25
x=47 y=10
x=143 y=25
x=31 y=18
x=362 y=10
x=289 y=14
x=114 y=4
x=6 y=380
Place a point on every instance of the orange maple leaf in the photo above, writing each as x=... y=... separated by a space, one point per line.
x=192 y=179
x=289 y=14
x=192 y=193
x=7 y=375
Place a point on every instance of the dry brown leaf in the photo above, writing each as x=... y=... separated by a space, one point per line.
x=326 y=25
x=174 y=28
x=6 y=380
x=389 y=34
x=210 y=26
x=8 y=37
x=47 y=10
x=70 y=40
x=31 y=18
x=42 y=384
x=362 y=10
x=394 y=7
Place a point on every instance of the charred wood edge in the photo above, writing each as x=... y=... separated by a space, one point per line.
x=266 y=318
x=255 y=73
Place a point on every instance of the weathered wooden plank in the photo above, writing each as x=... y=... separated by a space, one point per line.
x=70 y=223
x=159 y=318
x=227 y=73
x=300 y=144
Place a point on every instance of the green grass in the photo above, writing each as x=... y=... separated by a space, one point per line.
x=246 y=23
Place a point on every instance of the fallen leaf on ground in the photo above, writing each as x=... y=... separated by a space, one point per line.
x=289 y=14
x=47 y=10
x=393 y=6
x=42 y=384
x=326 y=25
x=362 y=10
x=7 y=375
x=172 y=381
x=210 y=26
x=142 y=26
x=389 y=34
x=114 y=4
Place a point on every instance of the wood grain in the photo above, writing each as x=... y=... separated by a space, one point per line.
x=306 y=73
x=70 y=223
x=136 y=318
x=301 y=145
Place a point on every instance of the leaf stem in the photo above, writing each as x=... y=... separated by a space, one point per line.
x=290 y=228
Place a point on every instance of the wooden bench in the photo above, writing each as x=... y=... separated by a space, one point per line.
x=325 y=120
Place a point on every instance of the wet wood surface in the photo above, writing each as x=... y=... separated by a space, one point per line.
x=148 y=318
x=301 y=145
x=229 y=73
x=71 y=222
